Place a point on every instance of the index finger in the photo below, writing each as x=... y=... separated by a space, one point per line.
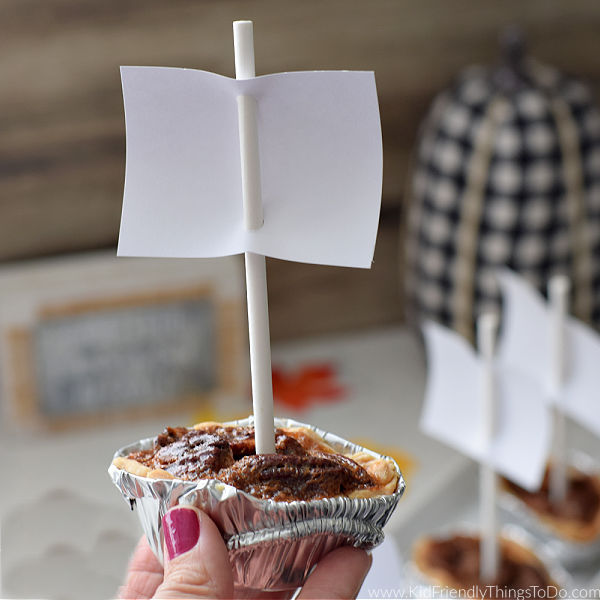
x=144 y=573
x=339 y=575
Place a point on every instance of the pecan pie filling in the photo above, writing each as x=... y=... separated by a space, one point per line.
x=455 y=562
x=303 y=467
x=577 y=516
x=581 y=503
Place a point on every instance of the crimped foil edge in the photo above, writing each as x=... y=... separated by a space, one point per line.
x=362 y=533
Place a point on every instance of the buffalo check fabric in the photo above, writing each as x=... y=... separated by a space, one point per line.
x=504 y=177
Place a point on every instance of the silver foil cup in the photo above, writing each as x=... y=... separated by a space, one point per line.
x=572 y=554
x=418 y=585
x=272 y=545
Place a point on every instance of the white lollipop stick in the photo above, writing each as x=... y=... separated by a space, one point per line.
x=487 y=326
x=256 y=277
x=558 y=294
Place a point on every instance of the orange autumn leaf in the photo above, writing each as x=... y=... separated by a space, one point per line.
x=310 y=384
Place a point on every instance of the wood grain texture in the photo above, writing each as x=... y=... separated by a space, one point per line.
x=61 y=118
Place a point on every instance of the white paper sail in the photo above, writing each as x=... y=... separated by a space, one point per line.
x=525 y=343
x=453 y=410
x=320 y=158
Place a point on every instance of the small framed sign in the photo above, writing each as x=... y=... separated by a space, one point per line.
x=93 y=338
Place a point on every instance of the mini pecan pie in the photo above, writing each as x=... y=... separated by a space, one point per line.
x=453 y=562
x=304 y=466
x=577 y=517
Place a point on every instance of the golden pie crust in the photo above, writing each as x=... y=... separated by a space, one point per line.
x=568 y=529
x=382 y=470
x=443 y=578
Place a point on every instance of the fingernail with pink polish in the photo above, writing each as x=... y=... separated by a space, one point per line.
x=181 y=528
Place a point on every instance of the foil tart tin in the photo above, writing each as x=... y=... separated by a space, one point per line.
x=272 y=545
x=572 y=554
x=418 y=585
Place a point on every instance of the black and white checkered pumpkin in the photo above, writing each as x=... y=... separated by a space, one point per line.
x=507 y=172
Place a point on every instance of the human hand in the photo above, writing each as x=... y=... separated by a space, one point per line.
x=197 y=566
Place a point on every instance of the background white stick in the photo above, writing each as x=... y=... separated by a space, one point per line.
x=487 y=326
x=558 y=294
x=256 y=277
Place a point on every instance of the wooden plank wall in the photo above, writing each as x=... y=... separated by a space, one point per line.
x=61 y=119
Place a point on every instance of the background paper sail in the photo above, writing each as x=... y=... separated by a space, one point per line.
x=525 y=343
x=454 y=413
x=320 y=150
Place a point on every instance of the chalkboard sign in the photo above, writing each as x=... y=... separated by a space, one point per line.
x=91 y=338
x=134 y=356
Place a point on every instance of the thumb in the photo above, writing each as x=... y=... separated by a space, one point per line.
x=196 y=560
